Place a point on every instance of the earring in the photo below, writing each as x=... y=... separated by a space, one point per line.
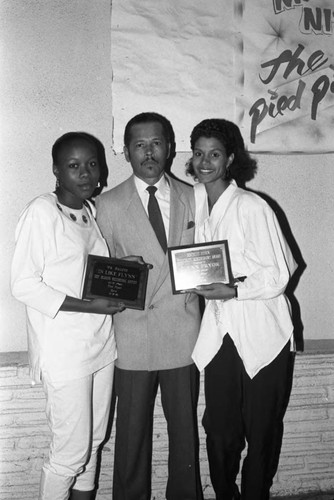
x=57 y=183
x=98 y=184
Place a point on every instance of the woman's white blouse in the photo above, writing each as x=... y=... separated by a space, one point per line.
x=259 y=321
x=49 y=263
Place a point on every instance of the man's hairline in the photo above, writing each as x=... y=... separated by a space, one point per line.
x=144 y=122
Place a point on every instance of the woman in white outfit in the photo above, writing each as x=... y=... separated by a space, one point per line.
x=246 y=333
x=71 y=341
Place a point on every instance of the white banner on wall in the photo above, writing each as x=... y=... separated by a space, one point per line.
x=265 y=64
x=173 y=57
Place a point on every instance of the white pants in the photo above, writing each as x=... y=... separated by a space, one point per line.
x=77 y=412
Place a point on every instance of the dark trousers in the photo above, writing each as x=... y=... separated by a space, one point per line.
x=136 y=392
x=240 y=409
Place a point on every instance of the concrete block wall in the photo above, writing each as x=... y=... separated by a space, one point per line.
x=307 y=457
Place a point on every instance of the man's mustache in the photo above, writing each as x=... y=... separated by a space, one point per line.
x=149 y=160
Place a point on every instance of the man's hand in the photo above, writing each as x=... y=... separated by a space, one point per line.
x=138 y=259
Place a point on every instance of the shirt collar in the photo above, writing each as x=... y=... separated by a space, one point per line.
x=162 y=185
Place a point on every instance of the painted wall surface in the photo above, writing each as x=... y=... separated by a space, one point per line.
x=55 y=77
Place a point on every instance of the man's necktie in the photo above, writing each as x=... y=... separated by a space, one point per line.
x=155 y=217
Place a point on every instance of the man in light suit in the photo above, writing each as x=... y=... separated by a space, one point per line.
x=154 y=345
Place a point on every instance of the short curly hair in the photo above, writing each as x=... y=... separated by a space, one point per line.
x=243 y=168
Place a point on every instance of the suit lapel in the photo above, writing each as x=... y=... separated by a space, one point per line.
x=177 y=212
x=141 y=228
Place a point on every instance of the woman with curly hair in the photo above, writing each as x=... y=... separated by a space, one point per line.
x=246 y=333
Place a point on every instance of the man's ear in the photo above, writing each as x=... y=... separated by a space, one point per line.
x=126 y=153
x=169 y=147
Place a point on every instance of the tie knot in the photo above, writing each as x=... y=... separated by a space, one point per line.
x=151 y=189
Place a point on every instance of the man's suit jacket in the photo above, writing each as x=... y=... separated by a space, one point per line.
x=164 y=334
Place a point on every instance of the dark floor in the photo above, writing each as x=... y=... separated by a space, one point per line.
x=311 y=496
x=314 y=496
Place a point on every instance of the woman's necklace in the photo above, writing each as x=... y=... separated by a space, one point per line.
x=80 y=216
